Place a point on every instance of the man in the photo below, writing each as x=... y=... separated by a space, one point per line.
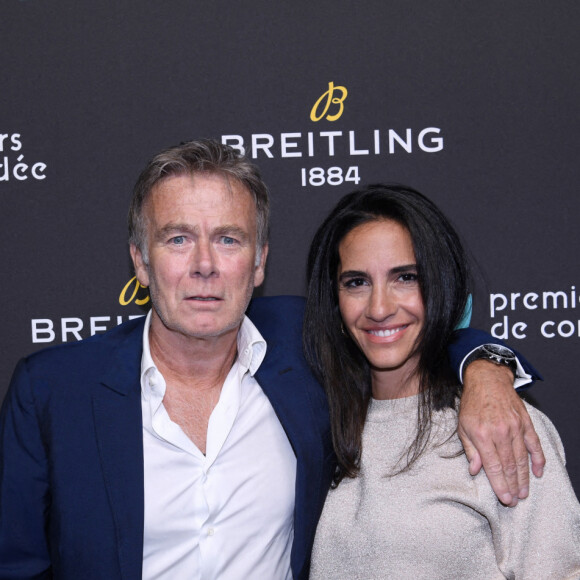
x=188 y=444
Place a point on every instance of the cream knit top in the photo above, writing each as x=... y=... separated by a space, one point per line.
x=438 y=522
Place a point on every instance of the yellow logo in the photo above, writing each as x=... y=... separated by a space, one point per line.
x=328 y=99
x=123 y=300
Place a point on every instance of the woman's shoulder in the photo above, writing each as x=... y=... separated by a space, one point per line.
x=547 y=432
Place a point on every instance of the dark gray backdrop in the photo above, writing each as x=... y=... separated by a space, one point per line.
x=90 y=91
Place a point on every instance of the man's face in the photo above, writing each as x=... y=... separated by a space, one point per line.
x=201 y=237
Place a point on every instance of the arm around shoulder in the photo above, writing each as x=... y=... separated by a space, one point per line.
x=24 y=495
x=494 y=426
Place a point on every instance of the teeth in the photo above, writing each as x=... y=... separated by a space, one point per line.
x=203 y=299
x=384 y=333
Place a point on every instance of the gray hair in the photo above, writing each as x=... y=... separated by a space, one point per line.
x=203 y=155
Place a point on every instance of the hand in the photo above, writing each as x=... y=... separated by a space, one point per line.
x=497 y=432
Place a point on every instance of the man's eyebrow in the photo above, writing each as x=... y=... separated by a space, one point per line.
x=173 y=228
x=232 y=230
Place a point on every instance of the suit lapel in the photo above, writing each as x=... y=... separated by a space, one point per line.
x=287 y=387
x=118 y=425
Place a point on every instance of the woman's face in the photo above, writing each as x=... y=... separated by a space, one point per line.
x=379 y=296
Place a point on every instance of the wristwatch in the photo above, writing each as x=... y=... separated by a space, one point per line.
x=499 y=355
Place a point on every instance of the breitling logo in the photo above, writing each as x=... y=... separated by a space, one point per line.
x=338 y=148
x=126 y=298
x=326 y=100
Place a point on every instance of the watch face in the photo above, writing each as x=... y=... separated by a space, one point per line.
x=500 y=351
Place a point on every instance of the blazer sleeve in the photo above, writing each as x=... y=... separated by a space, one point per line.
x=24 y=496
x=467 y=339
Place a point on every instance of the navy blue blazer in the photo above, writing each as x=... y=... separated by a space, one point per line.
x=71 y=449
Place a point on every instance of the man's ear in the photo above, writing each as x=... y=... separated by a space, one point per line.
x=261 y=266
x=139 y=264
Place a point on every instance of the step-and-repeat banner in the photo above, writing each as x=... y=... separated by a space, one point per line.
x=474 y=104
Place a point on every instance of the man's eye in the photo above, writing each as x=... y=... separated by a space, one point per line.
x=227 y=241
x=178 y=240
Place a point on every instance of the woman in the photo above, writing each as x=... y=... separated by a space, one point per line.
x=388 y=284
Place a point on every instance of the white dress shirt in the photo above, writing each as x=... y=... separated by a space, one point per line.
x=227 y=514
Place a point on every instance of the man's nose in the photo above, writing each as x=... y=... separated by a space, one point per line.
x=203 y=261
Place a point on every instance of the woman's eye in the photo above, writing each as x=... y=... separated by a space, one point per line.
x=408 y=277
x=355 y=282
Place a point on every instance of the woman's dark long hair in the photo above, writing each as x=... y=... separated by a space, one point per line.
x=337 y=361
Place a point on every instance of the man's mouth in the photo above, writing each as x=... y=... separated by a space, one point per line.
x=204 y=298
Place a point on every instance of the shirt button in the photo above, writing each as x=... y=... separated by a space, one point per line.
x=210 y=532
